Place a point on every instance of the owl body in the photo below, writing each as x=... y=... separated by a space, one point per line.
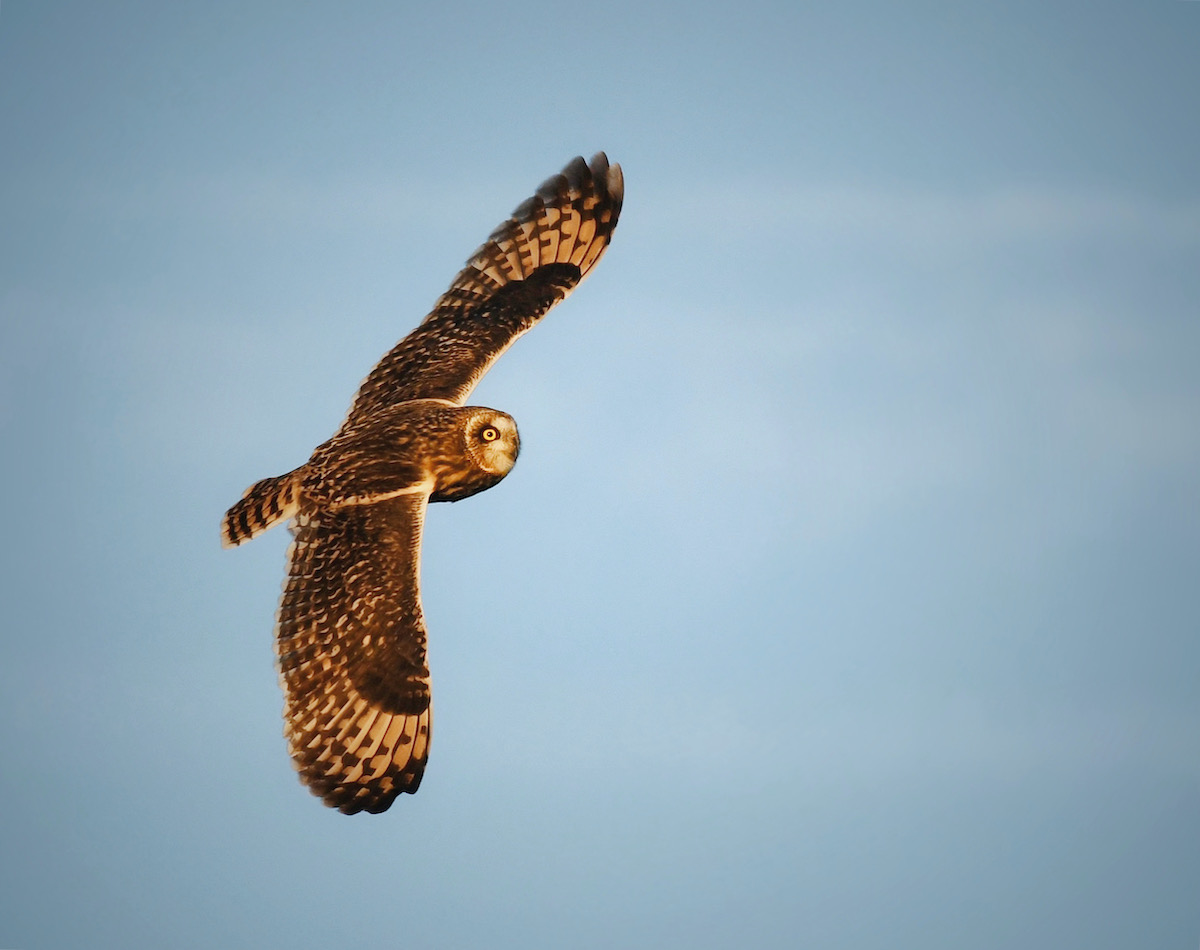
x=351 y=640
x=430 y=445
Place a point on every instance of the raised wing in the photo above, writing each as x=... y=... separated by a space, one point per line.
x=528 y=264
x=351 y=647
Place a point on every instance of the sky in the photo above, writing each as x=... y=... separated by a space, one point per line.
x=845 y=593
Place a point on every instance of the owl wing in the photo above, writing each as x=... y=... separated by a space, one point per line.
x=351 y=647
x=528 y=264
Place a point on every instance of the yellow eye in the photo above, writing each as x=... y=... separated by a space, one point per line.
x=490 y=434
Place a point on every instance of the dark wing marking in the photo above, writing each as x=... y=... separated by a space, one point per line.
x=351 y=647
x=528 y=264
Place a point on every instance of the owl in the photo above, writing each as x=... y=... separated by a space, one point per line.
x=350 y=638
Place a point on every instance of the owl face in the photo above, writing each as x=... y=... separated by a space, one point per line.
x=492 y=441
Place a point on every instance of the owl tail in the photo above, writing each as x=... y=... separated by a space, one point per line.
x=264 y=505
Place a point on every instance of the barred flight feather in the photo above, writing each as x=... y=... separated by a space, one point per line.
x=264 y=505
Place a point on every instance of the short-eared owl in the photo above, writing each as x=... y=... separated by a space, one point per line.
x=351 y=638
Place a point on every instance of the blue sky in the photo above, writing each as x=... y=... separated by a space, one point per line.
x=844 y=595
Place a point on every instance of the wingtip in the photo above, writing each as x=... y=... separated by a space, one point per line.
x=616 y=184
x=574 y=176
x=609 y=176
x=576 y=173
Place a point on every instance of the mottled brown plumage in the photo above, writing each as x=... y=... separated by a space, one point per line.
x=351 y=637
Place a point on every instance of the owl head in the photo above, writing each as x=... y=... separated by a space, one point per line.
x=492 y=441
x=486 y=450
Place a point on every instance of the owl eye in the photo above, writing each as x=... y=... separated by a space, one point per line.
x=490 y=434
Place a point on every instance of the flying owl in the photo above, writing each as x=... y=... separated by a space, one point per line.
x=351 y=637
